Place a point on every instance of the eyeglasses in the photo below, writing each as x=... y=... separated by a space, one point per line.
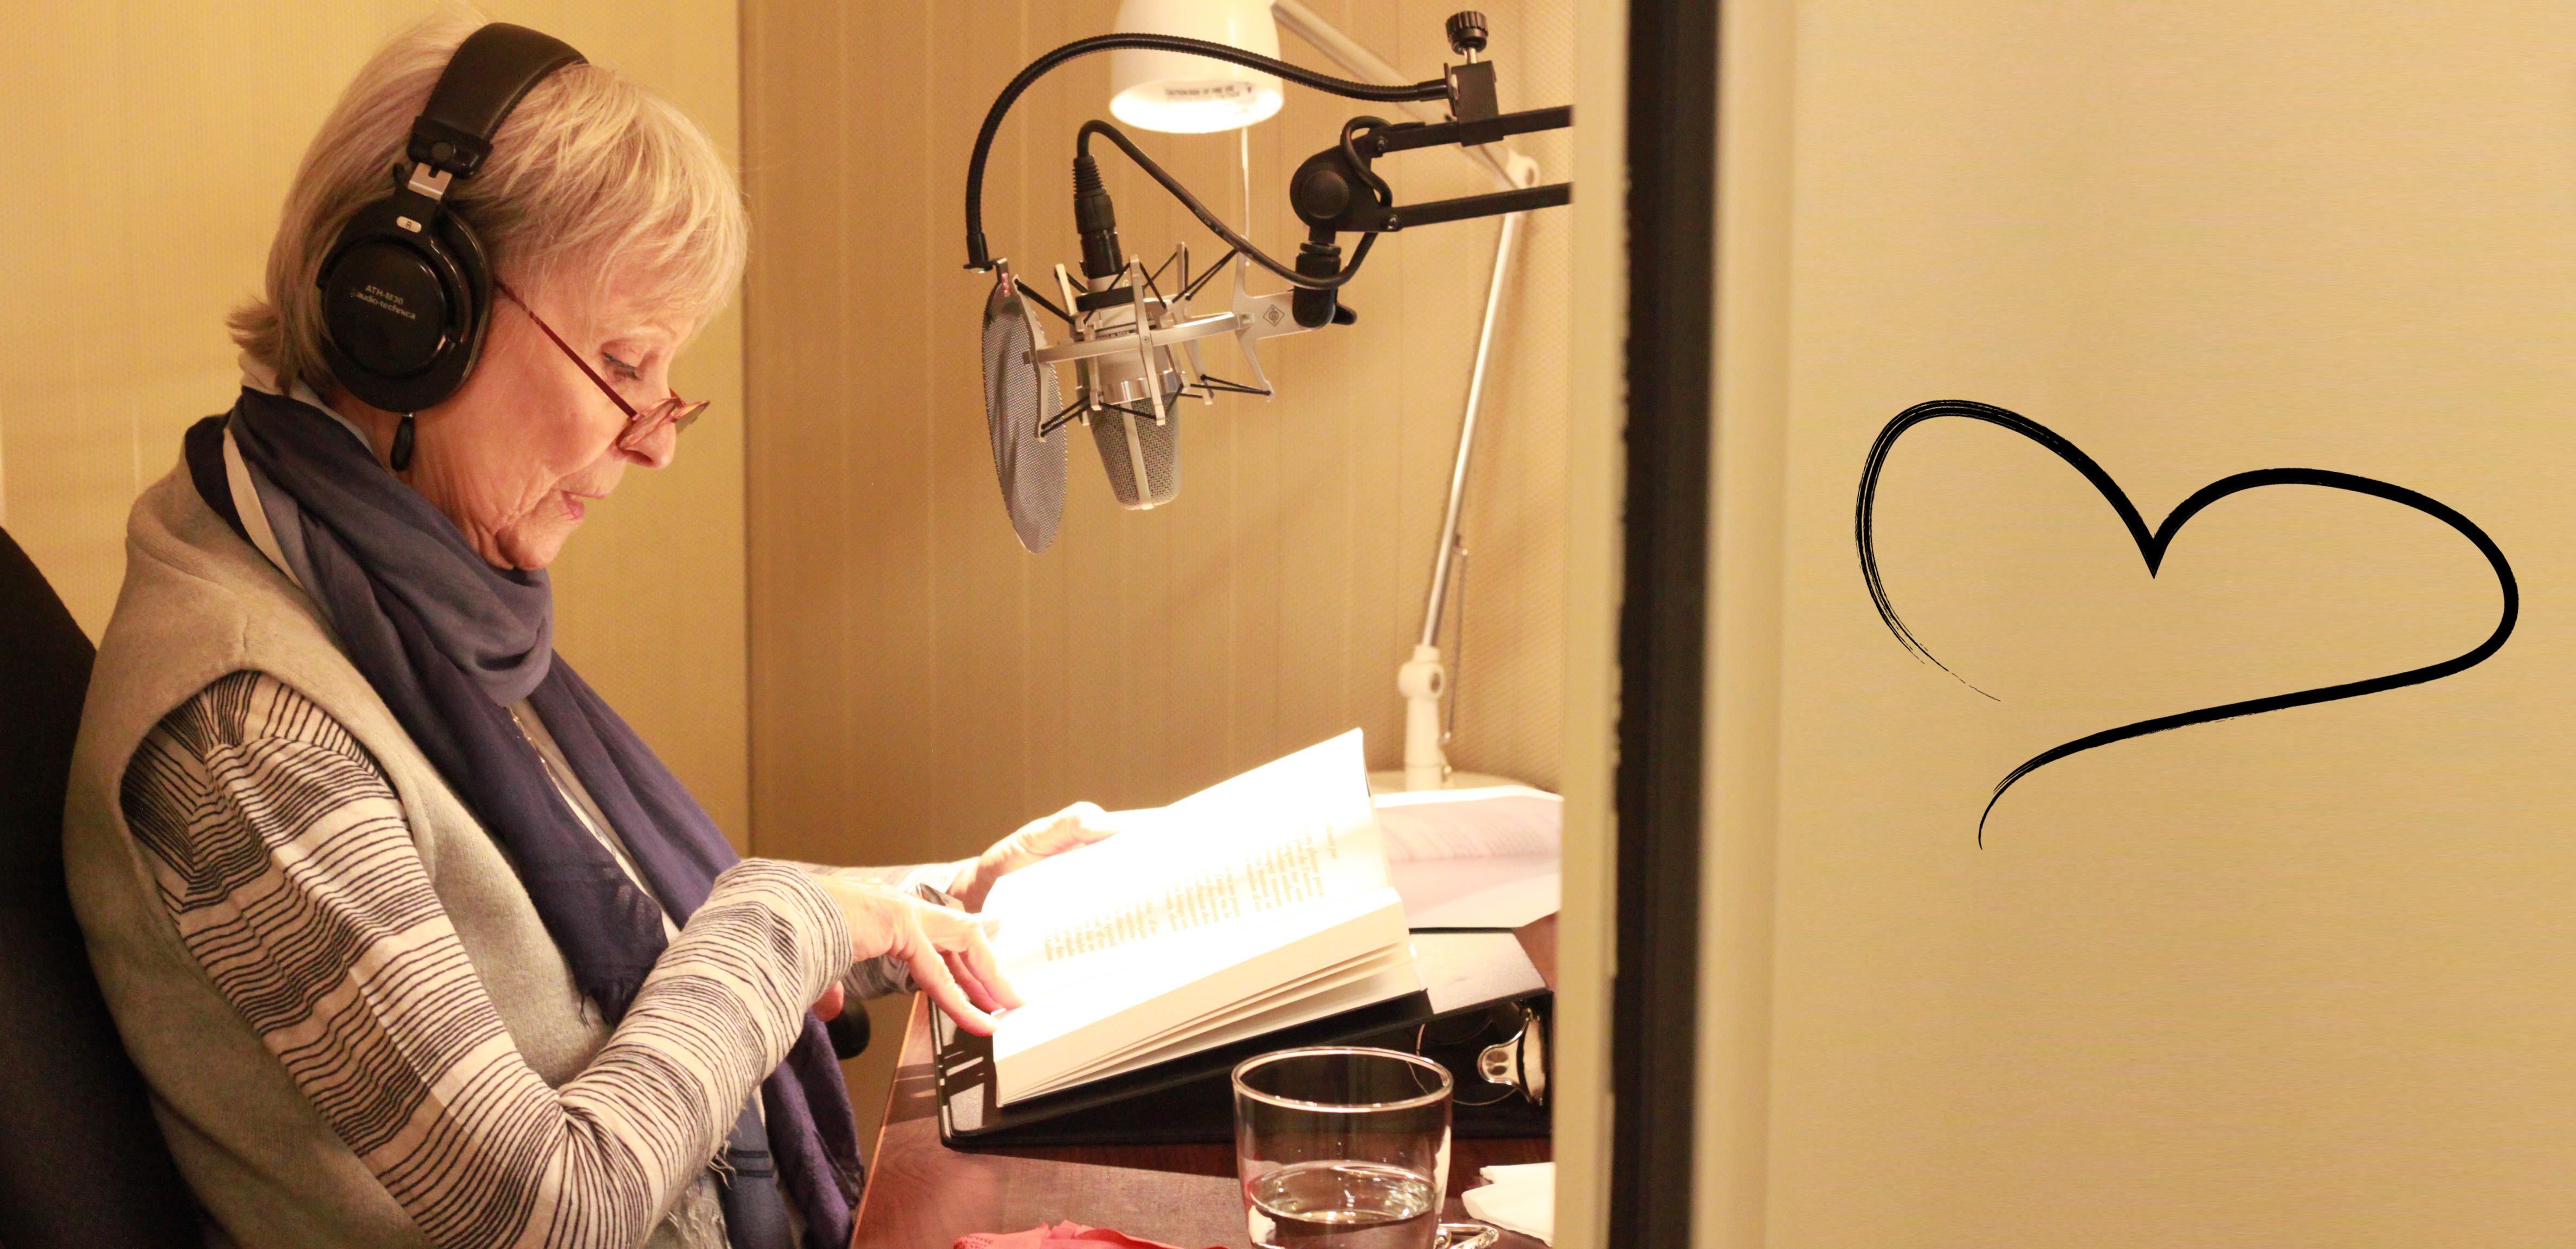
x=676 y=412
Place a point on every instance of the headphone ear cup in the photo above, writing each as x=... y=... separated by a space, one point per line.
x=464 y=250
x=400 y=311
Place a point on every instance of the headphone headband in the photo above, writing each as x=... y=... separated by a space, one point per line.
x=492 y=70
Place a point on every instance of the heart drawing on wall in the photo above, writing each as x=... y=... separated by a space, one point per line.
x=2152 y=544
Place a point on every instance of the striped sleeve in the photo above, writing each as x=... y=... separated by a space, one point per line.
x=283 y=858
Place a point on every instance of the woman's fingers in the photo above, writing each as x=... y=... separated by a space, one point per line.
x=963 y=973
x=970 y=958
x=828 y=1007
x=976 y=990
x=930 y=972
x=957 y=967
x=1039 y=836
x=1078 y=825
x=946 y=951
x=1072 y=828
x=984 y=984
x=977 y=954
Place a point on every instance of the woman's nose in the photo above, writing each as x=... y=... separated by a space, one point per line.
x=657 y=449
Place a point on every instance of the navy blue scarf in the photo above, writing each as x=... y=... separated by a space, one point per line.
x=449 y=642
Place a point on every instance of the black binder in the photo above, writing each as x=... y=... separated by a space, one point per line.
x=1479 y=989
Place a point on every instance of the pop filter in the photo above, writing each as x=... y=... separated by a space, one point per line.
x=1020 y=396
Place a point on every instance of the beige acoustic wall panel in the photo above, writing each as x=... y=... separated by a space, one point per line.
x=150 y=152
x=2297 y=977
x=921 y=684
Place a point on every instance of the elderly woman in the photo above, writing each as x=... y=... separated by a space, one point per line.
x=415 y=940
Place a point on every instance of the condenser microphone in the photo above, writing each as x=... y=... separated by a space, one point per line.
x=1133 y=347
x=1131 y=397
x=1136 y=421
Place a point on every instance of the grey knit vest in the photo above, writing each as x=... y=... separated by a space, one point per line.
x=199 y=603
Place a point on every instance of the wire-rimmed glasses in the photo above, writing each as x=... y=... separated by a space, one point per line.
x=674 y=411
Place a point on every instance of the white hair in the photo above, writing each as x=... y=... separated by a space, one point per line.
x=594 y=179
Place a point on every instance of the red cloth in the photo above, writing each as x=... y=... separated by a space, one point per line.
x=1065 y=1235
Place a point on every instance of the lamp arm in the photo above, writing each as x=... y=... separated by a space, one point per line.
x=1082 y=147
x=979 y=258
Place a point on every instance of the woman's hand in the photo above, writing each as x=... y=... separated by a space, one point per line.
x=946 y=950
x=1072 y=828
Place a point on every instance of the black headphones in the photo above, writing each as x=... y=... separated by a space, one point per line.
x=406 y=290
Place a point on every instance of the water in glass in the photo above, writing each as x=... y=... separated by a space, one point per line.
x=1342 y=1147
x=1341 y=1205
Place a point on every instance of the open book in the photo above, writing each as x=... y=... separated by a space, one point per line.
x=1251 y=906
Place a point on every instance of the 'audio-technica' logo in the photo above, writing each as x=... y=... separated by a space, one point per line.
x=387 y=300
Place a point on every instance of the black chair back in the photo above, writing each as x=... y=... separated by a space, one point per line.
x=82 y=1165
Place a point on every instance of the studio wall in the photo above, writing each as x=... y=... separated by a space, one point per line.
x=152 y=145
x=2295 y=971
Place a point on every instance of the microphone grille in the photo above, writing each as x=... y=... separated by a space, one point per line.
x=1019 y=396
x=1130 y=443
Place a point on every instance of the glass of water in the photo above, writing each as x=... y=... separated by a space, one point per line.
x=1342 y=1147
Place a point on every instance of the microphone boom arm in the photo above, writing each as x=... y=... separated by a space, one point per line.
x=1321 y=204
x=1353 y=199
x=979 y=258
x=1388 y=219
x=1336 y=192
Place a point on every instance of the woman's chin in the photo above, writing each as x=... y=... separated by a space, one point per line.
x=534 y=545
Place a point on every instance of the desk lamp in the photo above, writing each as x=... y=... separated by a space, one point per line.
x=1170 y=70
x=1176 y=93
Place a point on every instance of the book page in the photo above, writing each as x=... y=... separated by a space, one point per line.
x=1175 y=983
x=1295 y=832
x=1363 y=982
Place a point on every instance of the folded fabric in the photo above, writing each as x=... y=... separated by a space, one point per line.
x=1520 y=1198
x=1065 y=1235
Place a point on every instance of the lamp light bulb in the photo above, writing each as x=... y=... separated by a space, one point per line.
x=1177 y=93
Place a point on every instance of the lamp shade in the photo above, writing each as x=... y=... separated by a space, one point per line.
x=1183 y=94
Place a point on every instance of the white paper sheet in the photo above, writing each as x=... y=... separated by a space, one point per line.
x=1471 y=823
x=1519 y=1198
x=1500 y=892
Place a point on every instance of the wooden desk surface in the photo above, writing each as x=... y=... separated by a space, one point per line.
x=923 y=1195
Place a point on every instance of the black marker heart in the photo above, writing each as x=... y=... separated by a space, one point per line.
x=2152 y=545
